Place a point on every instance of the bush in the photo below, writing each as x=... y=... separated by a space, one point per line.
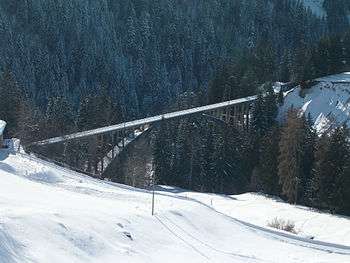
x=284 y=225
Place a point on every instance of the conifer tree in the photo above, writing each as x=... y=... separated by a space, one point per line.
x=268 y=163
x=11 y=97
x=308 y=157
x=290 y=167
x=161 y=156
x=344 y=183
x=59 y=117
x=329 y=173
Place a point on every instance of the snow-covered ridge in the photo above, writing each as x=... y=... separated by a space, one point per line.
x=328 y=102
x=48 y=212
x=337 y=78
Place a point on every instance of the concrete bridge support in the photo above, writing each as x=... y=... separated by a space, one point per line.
x=133 y=165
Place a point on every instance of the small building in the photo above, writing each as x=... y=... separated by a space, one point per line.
x=2 y=129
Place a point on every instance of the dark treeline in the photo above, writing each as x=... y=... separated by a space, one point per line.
x=200 y=153
x=30 y=123
x=145 y=52
x=330 y=55
x=74 y=65
x=285 y=159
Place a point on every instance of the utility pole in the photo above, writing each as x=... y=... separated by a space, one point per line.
x=154 y=181
x=153 y=192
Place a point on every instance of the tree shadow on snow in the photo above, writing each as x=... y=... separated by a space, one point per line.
x=4 y=154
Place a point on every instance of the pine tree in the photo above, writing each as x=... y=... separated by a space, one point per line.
x=344 y=183
x=330 y=166
x=31 y=123
x=268 y=163
x=11 y=98
x=161 y=156
x=309 y=158
x=263 y=118
x=59 y=117
x=337 y=15
x=290 y=167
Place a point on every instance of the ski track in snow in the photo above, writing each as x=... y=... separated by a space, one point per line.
x=51 y=212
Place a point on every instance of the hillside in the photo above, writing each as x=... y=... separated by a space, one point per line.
x=50 y=212
x=144 y=52
x=328 y=101
x=260 y=209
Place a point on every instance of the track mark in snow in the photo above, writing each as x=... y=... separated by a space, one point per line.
x=276 y=235
x=182 y=239
x=10 y=248
x=208 y=245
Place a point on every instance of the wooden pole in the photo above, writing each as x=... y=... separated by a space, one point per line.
x=153 y=194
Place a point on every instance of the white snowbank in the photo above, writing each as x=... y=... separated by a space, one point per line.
x=50 y=214
x=328 y=103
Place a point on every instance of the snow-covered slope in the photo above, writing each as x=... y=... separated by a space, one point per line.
x=260 y=210
x=49 y=214
x=328 y=102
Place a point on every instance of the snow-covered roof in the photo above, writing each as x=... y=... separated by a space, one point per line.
x=338 y=78
x=2 y=127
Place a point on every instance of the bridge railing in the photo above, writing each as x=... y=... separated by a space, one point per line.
x=145 y=121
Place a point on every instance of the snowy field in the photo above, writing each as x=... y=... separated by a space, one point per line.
x=327 y=102
x=260 y=210
x=49 y=214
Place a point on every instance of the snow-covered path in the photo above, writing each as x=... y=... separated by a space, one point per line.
x=49 y=214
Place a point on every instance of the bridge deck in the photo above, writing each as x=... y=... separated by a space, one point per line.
x=145 y=121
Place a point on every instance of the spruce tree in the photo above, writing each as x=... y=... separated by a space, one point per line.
x=309 y=157
x=329 y=173
x=268 y=163
x=11 y=97
x=344 y=183
x=290 y=167
x=161 y=156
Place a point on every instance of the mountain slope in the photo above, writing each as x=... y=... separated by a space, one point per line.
x=144 y=52
x=328 y=102
x=49 y=212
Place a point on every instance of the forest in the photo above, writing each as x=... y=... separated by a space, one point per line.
x=76 y=65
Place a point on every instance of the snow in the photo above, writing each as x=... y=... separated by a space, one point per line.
x=2 y=127
x=260 y=209
x=50 y=213
x=327 y=102
x=338 y=78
